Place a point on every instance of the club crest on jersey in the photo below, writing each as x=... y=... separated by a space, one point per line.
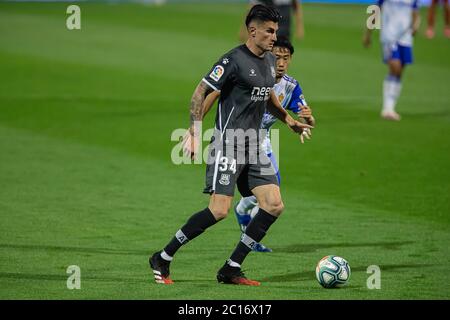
x=224 y=179
x=272 y=69
x=281 y=98
x=252 y=73
x=225 y=60
x=217 y=73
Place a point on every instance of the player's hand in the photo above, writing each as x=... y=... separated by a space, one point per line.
x=305 y=134
x=305 y=111
x=298 y=127
x=306 y=114
x=190 y=144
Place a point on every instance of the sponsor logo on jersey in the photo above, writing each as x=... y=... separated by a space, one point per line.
x=224 y=179
x=260 y=93
x=217 y=73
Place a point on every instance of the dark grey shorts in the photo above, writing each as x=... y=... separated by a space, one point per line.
x=225 y=170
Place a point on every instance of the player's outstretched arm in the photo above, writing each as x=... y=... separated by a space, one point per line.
x=306 y=114
x=415 y=22
x=275 y=108
x=299 y=25
x=367 y=38
x=192 y=136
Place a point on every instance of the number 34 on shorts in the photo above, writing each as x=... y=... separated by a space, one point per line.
x=226 y=168
x=227 y=164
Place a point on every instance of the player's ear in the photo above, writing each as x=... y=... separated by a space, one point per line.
x=252 y=31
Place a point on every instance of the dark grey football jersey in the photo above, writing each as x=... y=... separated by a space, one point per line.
x=244 y=81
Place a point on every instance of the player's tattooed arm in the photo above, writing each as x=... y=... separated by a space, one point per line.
x=191 y=139
x=196 y=110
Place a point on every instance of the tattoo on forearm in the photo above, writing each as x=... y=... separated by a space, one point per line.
x=198 y=97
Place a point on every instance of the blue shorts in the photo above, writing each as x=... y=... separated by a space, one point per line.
x=397 y=52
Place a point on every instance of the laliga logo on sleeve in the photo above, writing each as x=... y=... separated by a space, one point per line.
x=217 y=73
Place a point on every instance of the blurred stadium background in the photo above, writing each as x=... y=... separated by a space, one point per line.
x=87 y=179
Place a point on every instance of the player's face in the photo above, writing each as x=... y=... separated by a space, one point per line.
x=266 y=35
x=283 y=56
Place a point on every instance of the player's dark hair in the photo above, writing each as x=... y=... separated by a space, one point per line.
x=283 y=42
x=262 y=13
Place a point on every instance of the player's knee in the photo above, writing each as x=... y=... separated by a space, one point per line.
x=276 y=207
x=396 y=71
x=220 y=212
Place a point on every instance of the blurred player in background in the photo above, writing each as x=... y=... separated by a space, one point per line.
x=290 y=95
x=287 y=8
x=431 y=18
x=400 y=21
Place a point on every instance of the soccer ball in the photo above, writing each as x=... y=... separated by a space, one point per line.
x=332 y=271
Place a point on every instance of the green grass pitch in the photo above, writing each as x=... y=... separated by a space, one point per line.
x=86 y=177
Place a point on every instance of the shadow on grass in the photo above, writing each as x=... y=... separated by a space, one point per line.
x=295 y=248
x=146 y=278
x=74 y=249
x=302 y=248
x=64 y=277
x=309 y=275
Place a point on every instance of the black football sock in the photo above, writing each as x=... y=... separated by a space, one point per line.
x=256 y=230
x=196 y=224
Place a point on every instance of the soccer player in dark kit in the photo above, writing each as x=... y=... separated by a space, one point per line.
x=245 y=77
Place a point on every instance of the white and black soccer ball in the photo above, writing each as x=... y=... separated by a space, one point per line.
x=332 y=272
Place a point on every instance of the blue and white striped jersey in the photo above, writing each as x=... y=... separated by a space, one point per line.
x=396 y=21
x=289 y=94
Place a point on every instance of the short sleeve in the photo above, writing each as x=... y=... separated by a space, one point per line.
x=296 y=99
x=220 y=73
